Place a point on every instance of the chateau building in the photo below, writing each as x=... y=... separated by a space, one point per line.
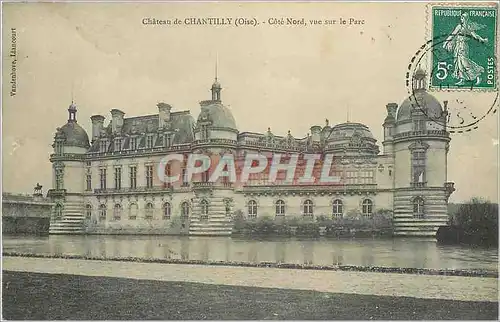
x=109 y=184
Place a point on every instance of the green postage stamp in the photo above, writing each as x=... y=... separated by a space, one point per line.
x=464 y=40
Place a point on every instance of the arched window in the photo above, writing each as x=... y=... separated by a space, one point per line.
x=204 y=209
x=88 y=211
x=167 y=211
x=184 y=210
x=117 y=212
x=102 y=212
x=252 y=208
x=367 y=208
x=280 y=208
x=418 y=207
x=58 y=211
x=133 y=210
x=338 y=208
x=308 y=208
x=149 y=211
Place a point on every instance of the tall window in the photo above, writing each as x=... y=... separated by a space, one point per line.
x=418 y=207
x=167 y=211
x=351 y=177
x=149 y=141
x=117 y=212
x=184 y=178
x=103 y=146
x=58 y=211
x=149 y=176
x=133 y=143
x=59 y=148
x=366 y=177
x=280 y=208
x=168 y=140
x=89 y=181
x=252 y=208
x=59 y=178
x=204 y=176
x=88 y=211
x=184 y=210
x=204 y=209
x=168 y=173
x=204 y=132
x=118 y=178
x=102 y=212
x=149 y=210
x=133 y=177
x=338 y=209
x=102 y=174
x=133 y=210
x=418 y=167
x=308 y=208
x=118 y=144
x=419 y=125
x=367 y=208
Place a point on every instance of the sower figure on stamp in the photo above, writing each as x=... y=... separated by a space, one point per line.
x=464 y=68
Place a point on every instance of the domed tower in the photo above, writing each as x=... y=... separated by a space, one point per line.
x=215 y=120
x=419 y=142
x=71 y=142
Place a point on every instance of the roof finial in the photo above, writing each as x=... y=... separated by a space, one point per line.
x=348 y=114
x=216 y=63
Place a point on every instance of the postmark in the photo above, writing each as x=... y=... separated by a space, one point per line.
x=449 y=67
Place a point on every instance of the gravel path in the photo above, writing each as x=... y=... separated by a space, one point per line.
x=383 y=284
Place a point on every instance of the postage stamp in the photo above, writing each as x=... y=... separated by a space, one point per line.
x=464 y=47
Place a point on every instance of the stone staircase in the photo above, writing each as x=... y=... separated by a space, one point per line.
x=217 y=223
x=71 y=222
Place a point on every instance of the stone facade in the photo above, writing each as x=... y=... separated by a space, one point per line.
x=110 y=184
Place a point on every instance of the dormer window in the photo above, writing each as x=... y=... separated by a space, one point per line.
x=168 y=140
x=149 y=141
x=133 y=143
x=419 y=125
x=59 y=148
x=103 y=146
x=118 y=144
x=204 y=132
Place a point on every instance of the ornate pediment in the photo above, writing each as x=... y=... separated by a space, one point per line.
x=418 y=145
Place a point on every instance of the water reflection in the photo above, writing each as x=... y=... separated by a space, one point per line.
x=396 y=253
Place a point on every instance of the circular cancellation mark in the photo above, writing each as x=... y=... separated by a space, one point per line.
x=467 y=100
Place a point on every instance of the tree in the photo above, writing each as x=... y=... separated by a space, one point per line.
x=478 y=220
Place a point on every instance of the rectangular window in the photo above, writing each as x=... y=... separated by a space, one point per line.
x=149 y=141
x=149 y=176
x=59 y=179
x=103 y=147
x=133 y=177
x=184 y=178
x=102 y=173
x=133 y=143
x=59 y=148
x=168 y=140
x=118 y=178
x=419 y=125
x=118 y=144
x=418 y=167
x=89 y=181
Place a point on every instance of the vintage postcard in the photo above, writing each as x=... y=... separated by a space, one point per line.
x=250 y=160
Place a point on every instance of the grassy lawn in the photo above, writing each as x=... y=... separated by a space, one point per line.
x=30 y=296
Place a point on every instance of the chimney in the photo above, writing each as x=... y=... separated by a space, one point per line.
x=391 y=109
x=163 y=114
x=116 y=120
x=315 y=133
x=97 y=126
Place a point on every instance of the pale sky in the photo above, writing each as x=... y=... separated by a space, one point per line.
x=283 y=77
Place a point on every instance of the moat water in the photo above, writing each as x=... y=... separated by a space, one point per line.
x=415 y=253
